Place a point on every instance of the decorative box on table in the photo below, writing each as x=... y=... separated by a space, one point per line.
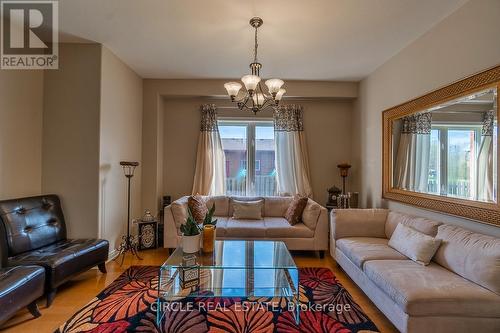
x=189 y=272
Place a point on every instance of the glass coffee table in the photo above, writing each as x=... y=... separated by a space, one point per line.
x=238 y=269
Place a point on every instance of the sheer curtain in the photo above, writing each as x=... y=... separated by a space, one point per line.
x=411 y=170
x=292 y=161
x=209 y=177
x=485 y=165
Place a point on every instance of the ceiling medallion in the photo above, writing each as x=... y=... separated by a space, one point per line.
x=254 y=98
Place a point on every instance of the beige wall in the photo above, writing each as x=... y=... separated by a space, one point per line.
x=65 y=131
x=180 y=100
x=181 y=129
x=120 y=140
x=327 y=127
x=328 y=132
x=462 y=44
x=21 y=106
x=70 y=156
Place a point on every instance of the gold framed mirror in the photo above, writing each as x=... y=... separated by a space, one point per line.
x=441 y=150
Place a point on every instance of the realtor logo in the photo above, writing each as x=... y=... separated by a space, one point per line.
x=29 y=34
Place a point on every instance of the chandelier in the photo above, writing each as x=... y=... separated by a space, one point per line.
x=254 y=98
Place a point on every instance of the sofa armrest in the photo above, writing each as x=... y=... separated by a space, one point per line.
x=170 y=231
x=358 y=223
x=321 y=231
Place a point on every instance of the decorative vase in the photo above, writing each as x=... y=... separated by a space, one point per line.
x=191 y=244
x=208 y=238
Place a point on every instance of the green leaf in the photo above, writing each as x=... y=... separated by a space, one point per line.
x=190 y=228
x=209 y=216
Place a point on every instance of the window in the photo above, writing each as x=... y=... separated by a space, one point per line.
x=452 y=164
x=249 y=143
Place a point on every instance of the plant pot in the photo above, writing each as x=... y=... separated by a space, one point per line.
x=191 y=244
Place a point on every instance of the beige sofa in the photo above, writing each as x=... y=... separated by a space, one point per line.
x=312 y=234
x=458 y=292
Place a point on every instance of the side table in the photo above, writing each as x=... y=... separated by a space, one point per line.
x=148 y=234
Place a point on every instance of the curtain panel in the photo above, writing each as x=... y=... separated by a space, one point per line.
x=485 y=165
x=411 y=170
x=209 y=176
x=292 y=160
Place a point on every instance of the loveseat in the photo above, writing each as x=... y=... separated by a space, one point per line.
x=311 y=234
x=459 y=291
x=34 y=233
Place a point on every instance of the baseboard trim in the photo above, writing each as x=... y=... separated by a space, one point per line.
x=113 y=254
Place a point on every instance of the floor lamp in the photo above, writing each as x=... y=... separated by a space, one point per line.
x=129 y=243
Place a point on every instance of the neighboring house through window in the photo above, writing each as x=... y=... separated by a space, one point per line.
x=452 y=164
x=249 y=142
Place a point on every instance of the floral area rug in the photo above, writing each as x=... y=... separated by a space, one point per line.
x=128 y=305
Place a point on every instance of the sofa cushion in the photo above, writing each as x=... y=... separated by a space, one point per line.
x=474 y=256
x=231 y=210
x=431 y=290
x=276 y=206
x=294 y=212
x=221 y=227
x=278 y=227
x=310 y=214
x=245 y=228
x=198 y=207
x=248 y=210
x=426 y=226
x=64 y=259
x=221 y=204
x=359 y=223
x=361 y=249
x=417 y=246
x=179 y=211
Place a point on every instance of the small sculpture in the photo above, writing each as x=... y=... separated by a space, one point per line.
x=148 y=217
x=333 y=193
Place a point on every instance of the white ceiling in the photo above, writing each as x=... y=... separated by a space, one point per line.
x=311 y=40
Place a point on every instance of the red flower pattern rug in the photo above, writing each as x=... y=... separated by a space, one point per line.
x=125 y=306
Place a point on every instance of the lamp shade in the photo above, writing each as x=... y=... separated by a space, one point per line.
x=233 y=88
x=274 y=85
x=280 y=94
x=250 y=81
x=129 y=167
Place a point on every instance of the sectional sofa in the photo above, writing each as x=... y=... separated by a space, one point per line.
x=459 y=291
x=311 y=234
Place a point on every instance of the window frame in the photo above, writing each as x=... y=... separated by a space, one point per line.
x=250 y=124
x=443 y=129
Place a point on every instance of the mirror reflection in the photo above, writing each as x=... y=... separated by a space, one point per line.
x=450 y=149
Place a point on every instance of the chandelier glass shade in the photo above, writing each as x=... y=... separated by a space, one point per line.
x=254 y=97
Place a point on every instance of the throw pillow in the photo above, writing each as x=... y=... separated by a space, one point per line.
x=250 y=210
x=417 y=246
x=311 y=214
x=294 y=212
x=198 y=207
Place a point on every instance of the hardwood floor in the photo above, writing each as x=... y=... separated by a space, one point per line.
x=76 y=293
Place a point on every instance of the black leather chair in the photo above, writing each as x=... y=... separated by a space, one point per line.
x=35 y=234
x=19 y=287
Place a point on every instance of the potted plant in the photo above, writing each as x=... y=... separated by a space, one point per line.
x=208 y=218
x=190 y=235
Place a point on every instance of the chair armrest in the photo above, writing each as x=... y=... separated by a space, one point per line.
x=358 y=223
